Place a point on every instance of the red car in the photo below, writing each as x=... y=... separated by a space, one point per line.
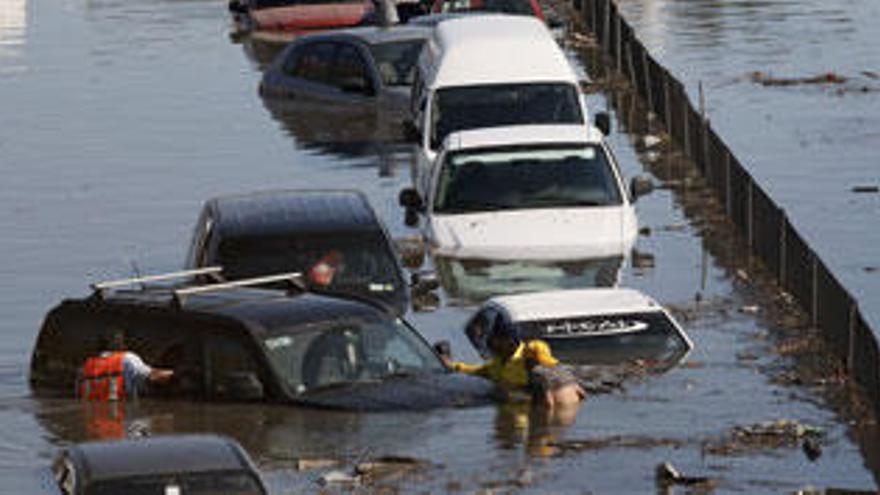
x=517 y=7
x=301 y=14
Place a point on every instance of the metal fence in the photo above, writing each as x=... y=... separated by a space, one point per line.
x=766 y=227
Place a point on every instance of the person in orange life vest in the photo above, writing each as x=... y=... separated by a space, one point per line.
x=116 y=373
x=518 y=365
x=323 y=271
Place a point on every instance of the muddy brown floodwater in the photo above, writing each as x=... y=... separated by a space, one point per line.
x=120 y=117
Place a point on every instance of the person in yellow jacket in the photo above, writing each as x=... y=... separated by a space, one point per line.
x=526 y=366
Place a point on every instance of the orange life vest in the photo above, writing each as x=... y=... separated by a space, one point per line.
x=102 y=379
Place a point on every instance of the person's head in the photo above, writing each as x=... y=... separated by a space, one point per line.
x=113 y=340
x=503 y=339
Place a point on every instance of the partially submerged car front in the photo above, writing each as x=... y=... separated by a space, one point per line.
x=526 y=192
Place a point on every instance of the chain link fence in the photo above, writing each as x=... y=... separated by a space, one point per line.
x=766 y=227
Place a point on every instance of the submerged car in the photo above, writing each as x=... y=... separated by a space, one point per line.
x=372 y=66
x=230 y=342
x=170 y=465
x=593 y=326
x=300 y=14
x=333 y=237
x=526 y=192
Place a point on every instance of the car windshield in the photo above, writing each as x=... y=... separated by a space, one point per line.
x=556 y=176
x=353 y=263
x=208 y=483
x=349 y=352
x=471 y=107
x=396 y=61
x=611 y=339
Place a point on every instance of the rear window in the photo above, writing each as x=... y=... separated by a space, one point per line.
x=473 y=107
x=611 y=339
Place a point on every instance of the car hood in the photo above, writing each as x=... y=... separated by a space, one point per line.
x=406 y=392
x=594 y=232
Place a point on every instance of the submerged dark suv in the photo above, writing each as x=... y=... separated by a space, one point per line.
x=268 y=232
x=229 y=342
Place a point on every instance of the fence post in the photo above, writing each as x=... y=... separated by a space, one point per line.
x=851 y=355
x=782 y=241
x=632 y=67
x=750 y=227
x=606 y=26
x=705 y=135
x=668 y=106
x=815 y=315
x=617 y=46
x=729 y=202
x=686 y=122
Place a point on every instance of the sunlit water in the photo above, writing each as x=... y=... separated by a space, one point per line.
x=808 y=145
x=120 y=117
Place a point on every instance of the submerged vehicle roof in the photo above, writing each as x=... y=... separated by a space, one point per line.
x=266 y=308
x=522 y=135
x=568 y=303
x=300 y=211
x=375 y=35
x=159 y=455
x=495 y=49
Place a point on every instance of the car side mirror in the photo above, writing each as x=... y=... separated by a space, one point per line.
x=603 y=122
x=422 y=282
x=411 y=200
x=442 y=348
x=640 y=186
x=411 y=132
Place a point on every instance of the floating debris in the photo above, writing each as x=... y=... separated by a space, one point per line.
x=666 y=475
x=768 y=435
x=651 y=141
x=339 y=478
x=308 y=464
x=866 y=189
x=766 y=79
x=751 y=309
x=616 y=441
x=388 y=467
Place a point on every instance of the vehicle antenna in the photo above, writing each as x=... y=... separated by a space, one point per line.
x=137 y=272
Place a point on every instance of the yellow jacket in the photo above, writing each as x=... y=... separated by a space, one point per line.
x=511 y=373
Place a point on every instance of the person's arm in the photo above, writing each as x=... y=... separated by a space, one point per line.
x=470 y=369
x=143 y=371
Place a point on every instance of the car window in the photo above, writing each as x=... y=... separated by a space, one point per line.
x=526 y=177
x=347 y=352
x=471 y=107
x=516 y=7
x=396 y=61
x=314 y=62
x=232 y=370
x=609 y=339
x=478 y=329
x=349 y=73
x=231 y=483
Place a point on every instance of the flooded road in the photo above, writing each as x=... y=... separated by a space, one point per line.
x=120 y=117
x=808 y=145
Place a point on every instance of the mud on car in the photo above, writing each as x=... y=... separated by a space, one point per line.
x=231 y=342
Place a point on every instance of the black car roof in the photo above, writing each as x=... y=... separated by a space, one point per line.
x=258 y=309
x=158 y=455
x=301 y=211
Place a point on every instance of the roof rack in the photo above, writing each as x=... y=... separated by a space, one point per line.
x=294 y=278
x=100 y=287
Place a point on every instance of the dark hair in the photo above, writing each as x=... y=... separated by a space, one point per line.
x=502 y=328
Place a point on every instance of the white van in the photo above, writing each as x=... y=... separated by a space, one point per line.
x=526 y=192
x=488 y=71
